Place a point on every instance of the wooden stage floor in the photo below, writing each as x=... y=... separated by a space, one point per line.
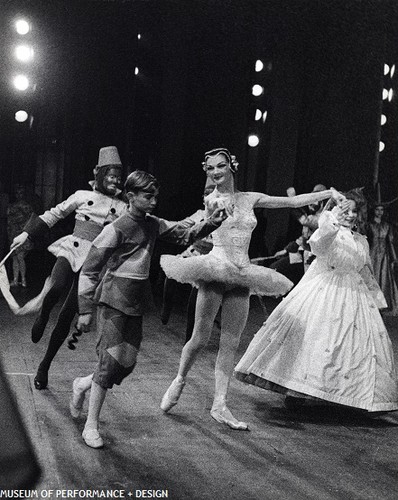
x=319 y=453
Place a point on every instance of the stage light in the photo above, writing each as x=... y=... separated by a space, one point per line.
x=24 y=53
x=21 y=82
x=385 y=94
x=257 y=90
x=21 y=116
x=136 y=71
x=390 y=95
x=383 y=119
x=22 y=27
x=386 y=69
x=259 y=66
x=139 y=36
x=392 y=70
x=253 y=140
x=258 y=115
x=265 y=116
x=381 y=146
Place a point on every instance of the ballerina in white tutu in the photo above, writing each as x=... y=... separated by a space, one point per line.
x=225 y=277
x=327 y=339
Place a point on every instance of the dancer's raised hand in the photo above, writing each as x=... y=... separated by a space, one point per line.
x=84 y=322
x=19 y=240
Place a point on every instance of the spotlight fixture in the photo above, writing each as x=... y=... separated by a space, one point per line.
x=24 y=53
x=136 y=71
x=21 y=82
x=21 y=116
x=381 y=146
x=253 y=140
x=386 y=69
x=390 y=95
x=22 y=27
x=392 y=70
x=258 y=115
x=383 y=119
x=257 y=90
x=259 y=65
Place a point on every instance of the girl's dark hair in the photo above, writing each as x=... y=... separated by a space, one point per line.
x=140 y=180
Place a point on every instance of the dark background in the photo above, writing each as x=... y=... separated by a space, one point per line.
x=323 y=82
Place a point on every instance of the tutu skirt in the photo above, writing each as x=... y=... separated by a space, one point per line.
x=209 y=268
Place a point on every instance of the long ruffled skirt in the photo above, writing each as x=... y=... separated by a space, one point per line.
x=325 y=340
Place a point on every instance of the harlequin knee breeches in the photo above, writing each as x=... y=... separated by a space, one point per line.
x=119 y=340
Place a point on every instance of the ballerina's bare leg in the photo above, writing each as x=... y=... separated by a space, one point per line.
x=210 y=297
x=208 y=301
x=234 y=313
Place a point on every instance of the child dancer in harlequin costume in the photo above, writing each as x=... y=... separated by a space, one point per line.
x=226 y=278
x=126 y=247
x=327 y=340
x=94 y=209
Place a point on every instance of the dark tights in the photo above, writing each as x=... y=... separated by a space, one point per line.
x=63 y=278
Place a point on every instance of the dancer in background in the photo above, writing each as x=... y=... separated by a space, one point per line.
x=18 y=214
x=327 y=340
x=383 y=256
x=225 y=277
x=125 y=247
x=94 y=210
x=294 y=260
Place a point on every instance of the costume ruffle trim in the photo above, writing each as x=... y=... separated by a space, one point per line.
x=252 y=379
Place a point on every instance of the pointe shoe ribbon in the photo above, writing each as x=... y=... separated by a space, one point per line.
x=172 y=395
x=224 y=416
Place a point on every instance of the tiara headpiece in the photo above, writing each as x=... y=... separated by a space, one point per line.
x=233 y=164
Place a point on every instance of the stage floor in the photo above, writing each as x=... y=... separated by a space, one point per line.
x=319 y=453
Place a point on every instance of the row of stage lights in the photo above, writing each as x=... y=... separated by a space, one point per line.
x=136 y=69
x=258 y=91
x=24 y=54
x=387 y=95
x=253 y=140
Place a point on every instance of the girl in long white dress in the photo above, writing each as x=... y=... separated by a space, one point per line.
x=327 y=339
x=225 y=277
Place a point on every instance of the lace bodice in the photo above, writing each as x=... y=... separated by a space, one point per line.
x=232 y=239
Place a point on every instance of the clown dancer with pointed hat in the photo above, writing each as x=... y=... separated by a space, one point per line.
x=93 y=210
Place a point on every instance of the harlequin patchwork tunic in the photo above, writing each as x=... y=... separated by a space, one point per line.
x=125 y=248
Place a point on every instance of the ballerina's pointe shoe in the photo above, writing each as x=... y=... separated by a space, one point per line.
x=224 y=416
x=172 y=395
x=77 y=399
